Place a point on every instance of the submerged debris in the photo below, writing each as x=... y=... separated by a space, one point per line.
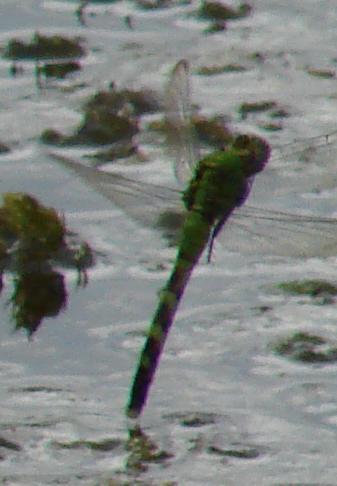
x=44 y=47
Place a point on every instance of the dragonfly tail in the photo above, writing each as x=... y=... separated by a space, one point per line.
x=170 y=297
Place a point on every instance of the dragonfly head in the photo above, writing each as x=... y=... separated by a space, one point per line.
x=255 y=152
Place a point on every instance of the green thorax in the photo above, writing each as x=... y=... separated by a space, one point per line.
x=220 y=180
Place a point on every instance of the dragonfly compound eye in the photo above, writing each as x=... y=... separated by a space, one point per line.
x=255 y=150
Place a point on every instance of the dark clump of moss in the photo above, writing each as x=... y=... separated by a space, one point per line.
x=105 y=445
x=58 y=70
x=23 y=218
x=212 y=131
x=218 y=69
x=218 y=11
x=32 y=239
x=321 y=73
x=37 y=295
x=110 y=116
x=116 y=151
x=44 y=47
x=170 y=220
x=312 y=288
x=306 y=348
x=142 y=451
x=279 y=113
x=153 y=4
x=52 y=137
x=100 y=127
x=239 y=453
x=4 y=149
x=260 y=106
x=194 y=419
x=8 y=444
x=216 y=26
x=271 y=127
x=136 y=102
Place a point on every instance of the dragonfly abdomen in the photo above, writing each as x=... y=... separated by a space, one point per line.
x=195 y=236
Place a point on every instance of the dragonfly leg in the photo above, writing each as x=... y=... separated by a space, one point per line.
x=215 y=231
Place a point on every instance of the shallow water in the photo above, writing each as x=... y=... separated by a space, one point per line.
x=227 y=409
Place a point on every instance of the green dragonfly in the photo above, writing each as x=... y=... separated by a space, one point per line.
x=214 y=198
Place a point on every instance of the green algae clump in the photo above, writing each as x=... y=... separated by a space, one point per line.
x=257 y=107
x=33 y=238
x=306 y=348
x=218 y=69
x=218 y=11
x=110 y=116
x=312 y=288
x=44 y=47
x=32 y=224
x=58 y=70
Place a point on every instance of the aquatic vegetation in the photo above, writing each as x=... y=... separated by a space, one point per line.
x=104 y=445
x=306 y=348
x=58 y=70
x=32 y=239
x=213 y=10
x=194 y=419
x=321 y=73
x=216 y=26
x=218 y=69
x=312 y=288
x=100 y=127
x=44 y=47
x=110 y=117
x=34 y=226
x=37 y=295
x=237 y=453
x=4 y=149
x=119 y=150
x=132 y=101
x=213 y=131
x=257 y=107
x=271 y=127
x=8 y=444
x=143 y=451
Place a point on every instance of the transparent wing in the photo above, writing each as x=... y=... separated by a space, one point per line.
x=180 y=136
x=142 y=201
x=255 y=230
x=251 y=229
x=305 y=149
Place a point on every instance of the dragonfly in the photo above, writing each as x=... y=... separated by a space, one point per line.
x=213 y=201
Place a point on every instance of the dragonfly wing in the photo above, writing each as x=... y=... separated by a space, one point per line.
x=180 y=136
x=142 y=201
x=304 y=150
x=254 y=230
